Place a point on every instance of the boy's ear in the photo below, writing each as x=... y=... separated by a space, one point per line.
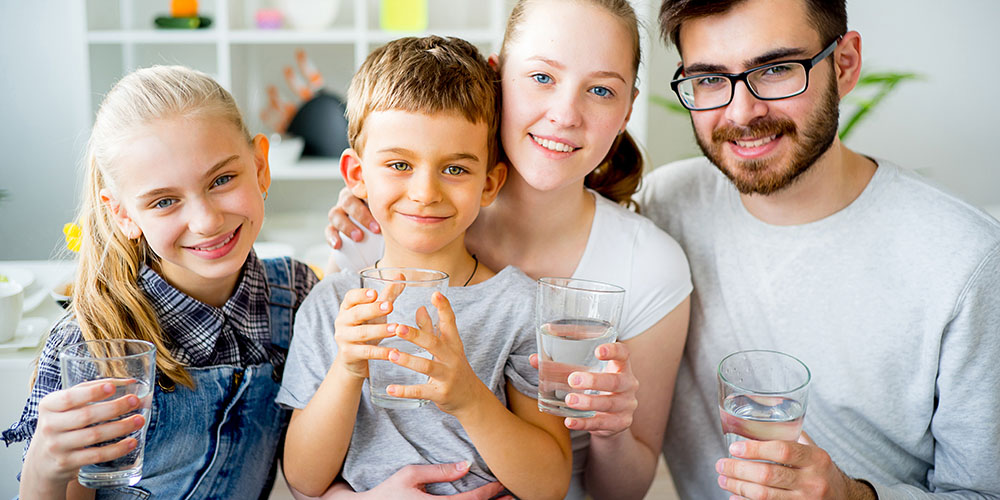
x=261 y=146
x=350 y=170
x=494 y=181
x=120 y=215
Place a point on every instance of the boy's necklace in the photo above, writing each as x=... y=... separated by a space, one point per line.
x=474 y=268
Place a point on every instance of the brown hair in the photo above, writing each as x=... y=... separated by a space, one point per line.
x=829 y=17
x=429 y=74
x=107 y=300
x=617 y=176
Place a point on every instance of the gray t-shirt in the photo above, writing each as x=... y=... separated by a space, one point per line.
x=892 y=302
x=496 y=322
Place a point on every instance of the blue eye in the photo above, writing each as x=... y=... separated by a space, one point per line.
x=223 y=179
x=400 y=166
x=454 y=170
x=164 y=203
x=541 y=78
x=602 y=92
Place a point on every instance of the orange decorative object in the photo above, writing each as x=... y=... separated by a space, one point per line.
x=184 y=8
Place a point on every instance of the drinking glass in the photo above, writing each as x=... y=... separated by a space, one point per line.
x=573 y=317
x=762 y=396
x=130 y=366
x=408 y=289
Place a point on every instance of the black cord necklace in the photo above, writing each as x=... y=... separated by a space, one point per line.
x=474 y=268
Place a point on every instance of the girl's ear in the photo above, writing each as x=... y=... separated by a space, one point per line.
x=261 y=146
x=125 y=223
x=350 y=170
x=494 y=181
x=494 y=61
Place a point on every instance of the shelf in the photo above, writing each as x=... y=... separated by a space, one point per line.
x=153 y=36
x=269 y=37
x=308 y=168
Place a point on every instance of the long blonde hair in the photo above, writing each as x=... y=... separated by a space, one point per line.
x=107 y=300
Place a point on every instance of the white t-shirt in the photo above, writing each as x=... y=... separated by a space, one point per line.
x=892 y=302
x=624 y=249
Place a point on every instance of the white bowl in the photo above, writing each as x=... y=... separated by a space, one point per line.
x=309 y=15
x=283 y=152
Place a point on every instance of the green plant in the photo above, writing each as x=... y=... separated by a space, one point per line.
x=883 y=83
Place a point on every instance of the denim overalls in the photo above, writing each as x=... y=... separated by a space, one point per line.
x=220 y=440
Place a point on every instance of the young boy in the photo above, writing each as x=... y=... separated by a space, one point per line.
x=423 y=118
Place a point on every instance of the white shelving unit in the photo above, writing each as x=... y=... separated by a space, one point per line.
x=244 y=59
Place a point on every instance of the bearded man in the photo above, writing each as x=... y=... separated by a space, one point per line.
x=885 y=286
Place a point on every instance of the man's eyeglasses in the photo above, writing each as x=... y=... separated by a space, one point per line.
x=770 y=82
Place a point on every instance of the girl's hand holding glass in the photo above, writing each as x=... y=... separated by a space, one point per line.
x=64 y=439
x=453 y=384
x=360 y=326
x=616 y=405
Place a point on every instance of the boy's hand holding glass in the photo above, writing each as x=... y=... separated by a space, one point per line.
x=453 y=385
x=361 y=325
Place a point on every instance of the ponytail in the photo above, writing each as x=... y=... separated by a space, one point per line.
x=618 y=175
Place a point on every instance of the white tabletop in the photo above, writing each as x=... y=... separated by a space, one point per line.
x=17 y=365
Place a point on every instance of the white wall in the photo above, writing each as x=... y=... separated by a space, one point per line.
x=943 y=126
x=43 y=122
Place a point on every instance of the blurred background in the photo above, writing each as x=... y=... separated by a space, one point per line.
x=930 y=73
x=58 y=58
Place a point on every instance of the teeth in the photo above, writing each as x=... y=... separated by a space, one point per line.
x=216 y=247
x=755 y=144
x=553 y=145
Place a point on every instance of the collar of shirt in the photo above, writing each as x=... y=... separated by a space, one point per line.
x=203 y=335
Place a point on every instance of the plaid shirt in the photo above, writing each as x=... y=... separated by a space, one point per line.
x=199 y=334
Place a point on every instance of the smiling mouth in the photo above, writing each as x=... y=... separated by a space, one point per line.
x=755 y=143
x=556 y=146
x=220 y=244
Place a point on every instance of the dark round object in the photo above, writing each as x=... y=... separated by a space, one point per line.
x=322 y=124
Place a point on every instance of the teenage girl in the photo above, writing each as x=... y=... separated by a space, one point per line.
x=173 y=201
x=567 y=92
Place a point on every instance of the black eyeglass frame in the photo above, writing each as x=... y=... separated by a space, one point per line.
x=808 y=64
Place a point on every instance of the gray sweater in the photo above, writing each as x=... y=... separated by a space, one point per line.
x=892 y=302
x=496 y=322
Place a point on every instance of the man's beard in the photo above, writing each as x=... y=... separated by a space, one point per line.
x=762 y=176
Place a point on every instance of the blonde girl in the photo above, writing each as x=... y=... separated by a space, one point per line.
x=173 y=201
x=567 y=92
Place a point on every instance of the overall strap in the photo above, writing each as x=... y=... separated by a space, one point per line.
x=280 y=308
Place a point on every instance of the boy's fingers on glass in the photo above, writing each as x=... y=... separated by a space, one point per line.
x=368 y=351
x=408 y=391
x=368 y=333
x=409 y=361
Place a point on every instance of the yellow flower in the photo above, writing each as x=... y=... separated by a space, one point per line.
x=74 y=236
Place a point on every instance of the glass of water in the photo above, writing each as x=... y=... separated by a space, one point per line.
x=762 y=396
x=130 y=366
x=408 y=289
x=573 y=317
